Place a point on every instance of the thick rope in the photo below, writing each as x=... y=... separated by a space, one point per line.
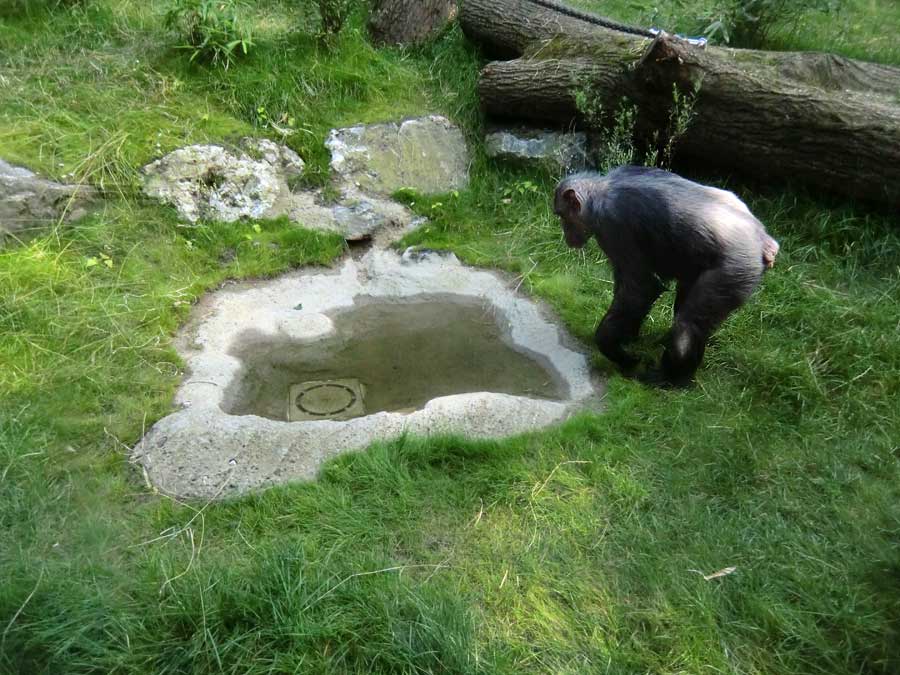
x=593 y=18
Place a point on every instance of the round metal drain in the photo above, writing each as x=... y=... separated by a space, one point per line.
x=326 y=399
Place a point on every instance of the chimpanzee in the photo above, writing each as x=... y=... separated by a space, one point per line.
x=655 y=226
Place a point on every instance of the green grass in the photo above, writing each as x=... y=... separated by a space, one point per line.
x=579 y=549
x=105 y=89
x=854 y=28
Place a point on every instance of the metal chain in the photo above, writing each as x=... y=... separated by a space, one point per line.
x=592 y=18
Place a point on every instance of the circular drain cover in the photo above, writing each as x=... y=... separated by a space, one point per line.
x=326 y=399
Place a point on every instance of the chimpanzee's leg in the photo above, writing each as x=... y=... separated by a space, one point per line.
x=631 y=303
x=682 y=288
x=681 y=293
x=714 y=295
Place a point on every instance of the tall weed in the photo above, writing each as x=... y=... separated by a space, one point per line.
x=616 y=139
x=212 y=29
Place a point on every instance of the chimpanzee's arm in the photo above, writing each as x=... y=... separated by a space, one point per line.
x=633 y=297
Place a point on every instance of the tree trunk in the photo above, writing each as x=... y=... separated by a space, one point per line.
x=508 y=27
x=821 y=119
x=408 y=22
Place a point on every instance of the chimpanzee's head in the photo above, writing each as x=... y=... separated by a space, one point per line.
x=568 y=204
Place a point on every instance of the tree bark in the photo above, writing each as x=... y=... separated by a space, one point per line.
x=508 y=27
x=821 y=119
x=409 y=22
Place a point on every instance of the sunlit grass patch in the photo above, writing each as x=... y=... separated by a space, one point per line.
x=591 y=547
x=89 y=303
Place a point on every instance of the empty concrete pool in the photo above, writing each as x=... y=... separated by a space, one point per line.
x=386 y=356
x=283 y=374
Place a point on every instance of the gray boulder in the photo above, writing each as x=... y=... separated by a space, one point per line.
x=427 y=154
x=279 y=156
x=210 y=182
x=567 y=151
x=355 y=216
x=27 y=200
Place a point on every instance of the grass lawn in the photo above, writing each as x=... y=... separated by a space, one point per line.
x=577 y=550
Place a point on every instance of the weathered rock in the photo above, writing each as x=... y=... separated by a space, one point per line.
x=417 y=254
x=427 y=154
x=210 y=182
x=27 y=200
x=355 y=216
x=272 y=153
x=566 y=150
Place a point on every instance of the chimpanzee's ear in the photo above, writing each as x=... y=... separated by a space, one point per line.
x=572 y=202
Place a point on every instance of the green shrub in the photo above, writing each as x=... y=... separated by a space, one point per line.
x=212 y=29
x=749 y=23
x=615 y=142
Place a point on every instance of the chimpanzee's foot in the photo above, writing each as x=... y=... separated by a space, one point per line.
x=657 y=377
x=652 y=377
x=627 y=363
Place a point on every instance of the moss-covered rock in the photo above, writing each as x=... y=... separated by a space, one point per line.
x=427 y=154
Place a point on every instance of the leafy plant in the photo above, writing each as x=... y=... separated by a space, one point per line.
x=212 y=29
x=104 y=259
x=680 y=116
x=749 y=23
x=520 y=188
x=616 y=144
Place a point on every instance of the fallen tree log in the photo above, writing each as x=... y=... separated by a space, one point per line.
x=408 y=22
x=824 y=120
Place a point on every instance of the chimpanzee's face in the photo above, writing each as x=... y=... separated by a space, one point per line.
x=567 y=206
x=575 y=233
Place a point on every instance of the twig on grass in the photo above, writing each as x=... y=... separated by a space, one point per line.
x=538 y=488
x=198 y=514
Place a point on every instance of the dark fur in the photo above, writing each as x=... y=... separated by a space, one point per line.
x=654 y=227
